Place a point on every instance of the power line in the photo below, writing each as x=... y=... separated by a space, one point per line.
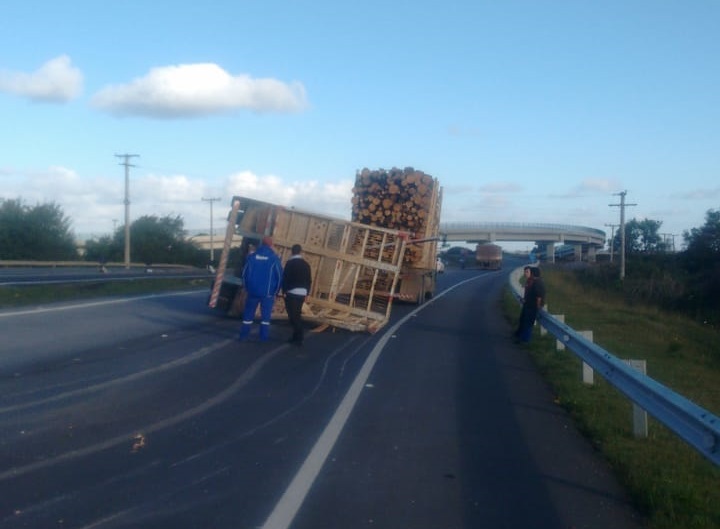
x=671 y=238
x=127 y=165
x=622 y=206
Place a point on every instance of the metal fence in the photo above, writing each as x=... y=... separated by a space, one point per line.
x=524 y=227
x=697 y=426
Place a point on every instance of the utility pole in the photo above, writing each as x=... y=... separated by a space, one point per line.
x=669 y=241
x=622 y=205
x=212 y=241
x=127 y=165
x=612 y=238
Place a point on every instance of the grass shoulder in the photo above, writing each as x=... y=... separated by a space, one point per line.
x=669 y=481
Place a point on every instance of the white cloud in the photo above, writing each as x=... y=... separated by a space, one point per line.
x=193 y=90
x=167 y=188
x=597 y=186
x=56 y=81
x=329 y=198
x=95 y=204
x=703 y=194
x=89 y=203
x=590 y=187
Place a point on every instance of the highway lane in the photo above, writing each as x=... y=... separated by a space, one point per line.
x=148 y=413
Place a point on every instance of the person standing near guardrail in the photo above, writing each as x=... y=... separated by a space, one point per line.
x=296 y=281
x=533 y=301
x=262 y=276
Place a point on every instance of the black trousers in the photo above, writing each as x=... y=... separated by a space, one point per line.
x=293 y=306
x=528 y=315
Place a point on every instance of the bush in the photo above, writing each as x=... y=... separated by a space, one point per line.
x=662 y=280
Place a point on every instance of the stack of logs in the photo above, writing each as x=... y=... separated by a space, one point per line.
x=398 y=199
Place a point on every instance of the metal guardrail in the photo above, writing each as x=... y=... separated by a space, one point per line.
x=82 y=264
x=695 y=425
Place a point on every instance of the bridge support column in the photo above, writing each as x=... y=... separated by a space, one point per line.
x=591 y=254
x=577 y=251
x=550 y=252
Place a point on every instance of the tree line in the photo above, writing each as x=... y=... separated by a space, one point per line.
x=43 y=233
x=687 y=282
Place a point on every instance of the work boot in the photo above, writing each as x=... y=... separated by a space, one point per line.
x=264 y=331
x=245 y=331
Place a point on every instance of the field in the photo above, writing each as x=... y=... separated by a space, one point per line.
x=670 y=482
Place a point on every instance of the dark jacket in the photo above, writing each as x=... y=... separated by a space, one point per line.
x=297 y=274
x=534 y=291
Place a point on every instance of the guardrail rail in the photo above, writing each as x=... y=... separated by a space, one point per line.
x=694 y=424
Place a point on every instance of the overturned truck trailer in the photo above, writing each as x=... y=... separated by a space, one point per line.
x=355 y=267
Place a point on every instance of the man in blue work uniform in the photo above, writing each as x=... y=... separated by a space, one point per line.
x=262 y=276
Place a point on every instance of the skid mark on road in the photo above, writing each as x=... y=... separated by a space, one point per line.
x=200 y=353
x=129 y=438
x=287 y=508
x=273 y=420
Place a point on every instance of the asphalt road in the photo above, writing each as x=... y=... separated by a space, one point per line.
x=147 y=413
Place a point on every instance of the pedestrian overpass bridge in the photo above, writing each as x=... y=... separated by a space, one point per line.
x=584 y=241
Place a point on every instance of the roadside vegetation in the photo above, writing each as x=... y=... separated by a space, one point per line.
x=671 y=484
x=43 y=233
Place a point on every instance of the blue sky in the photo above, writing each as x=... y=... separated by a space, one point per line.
x=525 y=111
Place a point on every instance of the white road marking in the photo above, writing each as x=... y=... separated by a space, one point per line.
x=287 y=508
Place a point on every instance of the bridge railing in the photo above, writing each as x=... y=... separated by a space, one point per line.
x=520 y=226
x=695 y=425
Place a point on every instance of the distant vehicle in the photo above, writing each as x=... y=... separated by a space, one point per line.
x=488 y=256
x=440 y=266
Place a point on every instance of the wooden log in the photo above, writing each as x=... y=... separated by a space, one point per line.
x=398 y=199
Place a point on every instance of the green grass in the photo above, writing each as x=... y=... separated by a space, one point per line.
x=669 y=481
x=18 y=296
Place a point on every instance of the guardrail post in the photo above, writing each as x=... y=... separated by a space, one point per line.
x=587 y=371
x=695 y=425
x=640 y=418
x=559 y=346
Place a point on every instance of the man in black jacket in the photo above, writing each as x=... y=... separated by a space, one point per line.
x=296 y=282
x=533 y=302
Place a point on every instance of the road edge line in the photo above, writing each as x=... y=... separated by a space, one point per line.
x=292 y=499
